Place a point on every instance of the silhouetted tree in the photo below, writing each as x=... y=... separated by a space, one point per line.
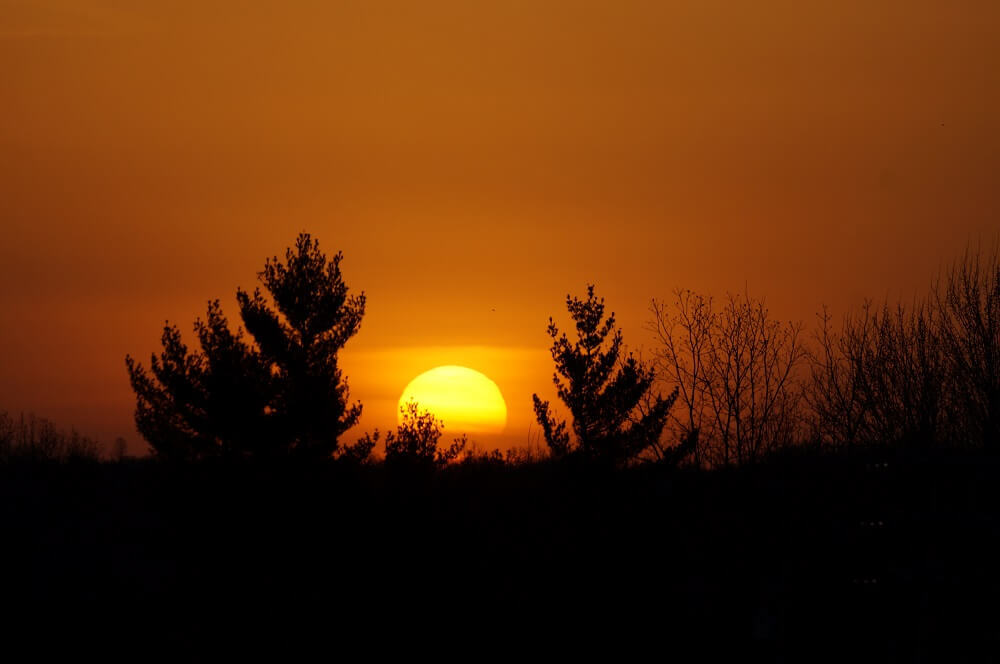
x=922 y=375
x=414 y=444
x=615 y=418
x=882 y=380
x=838 y=418
x=735 y=370
x=282 y=395
x=193 y=405
x=967 y=303
x=314 y=318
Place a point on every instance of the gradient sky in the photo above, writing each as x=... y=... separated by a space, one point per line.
x=475 y=161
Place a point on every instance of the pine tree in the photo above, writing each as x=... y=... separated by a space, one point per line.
x=616 y=419
x=315 y=317
x=282 y=394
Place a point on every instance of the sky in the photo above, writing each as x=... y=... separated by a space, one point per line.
x=475 y=162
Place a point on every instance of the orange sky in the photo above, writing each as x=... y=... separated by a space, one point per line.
x=466 y=157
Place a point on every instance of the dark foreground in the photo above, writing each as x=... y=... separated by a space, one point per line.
x=881 y=556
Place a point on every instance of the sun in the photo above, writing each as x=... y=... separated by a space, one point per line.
x=464 y=399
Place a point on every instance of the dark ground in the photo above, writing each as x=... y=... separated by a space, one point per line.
x=874 y=556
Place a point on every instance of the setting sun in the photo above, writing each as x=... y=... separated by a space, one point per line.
x=464 y=399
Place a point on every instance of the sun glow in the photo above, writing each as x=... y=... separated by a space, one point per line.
x=464 y=399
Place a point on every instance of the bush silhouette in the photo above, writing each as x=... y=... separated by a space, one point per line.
x=415 y=441
x=616 y=419
x=283 y=394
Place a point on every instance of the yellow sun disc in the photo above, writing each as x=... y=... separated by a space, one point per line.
x=465 y=400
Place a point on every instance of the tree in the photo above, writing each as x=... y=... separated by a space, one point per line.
x=616 y=419
x=735 y=368
x=282 y=394
x=921 y=375
x=967 y=304
x=315 y=317
x=882 y=380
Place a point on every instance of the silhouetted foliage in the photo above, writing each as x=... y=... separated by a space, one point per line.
x=517 y=456
x=735 y=371
x=215 y=402
x=32 y=439
x=283 y=394
x=359 y=453
x=476 y=457
x=414 y=444
x=615 y=418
